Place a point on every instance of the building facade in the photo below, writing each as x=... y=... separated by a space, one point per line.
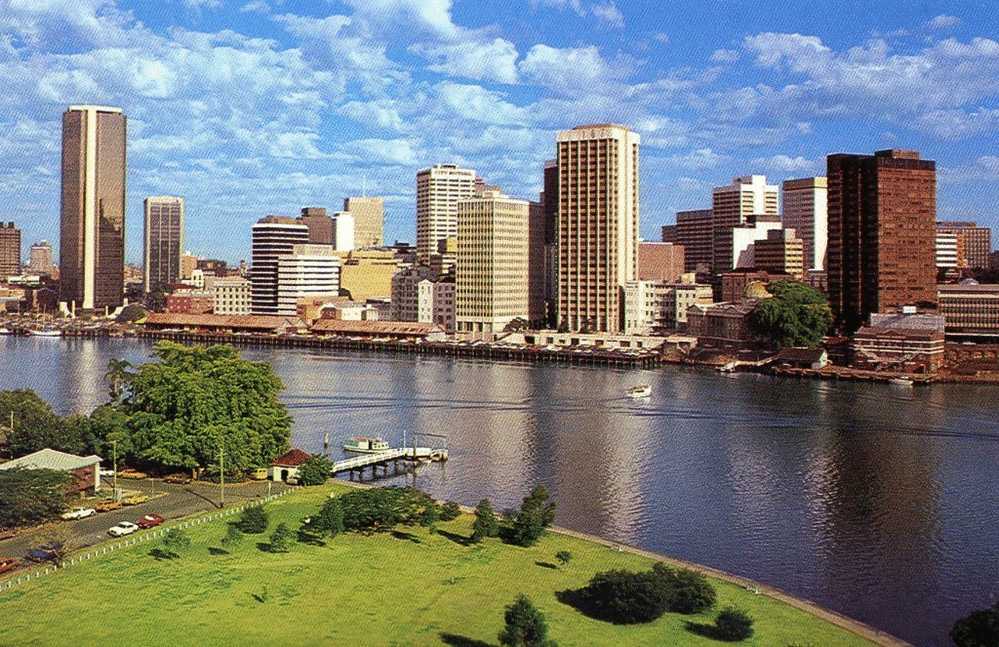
x=369 y=220
x=308 y=271
x=10 y=250
x=734 y=205
x=804 y=203
x=272 y=237
x=598 y=219
x=493 y=272
x=970 y=311
x=974 y=242
x=439 y=189
x=882 y=233
x=946 y=250
x=343 y=232
x=92 y=212
x=40 y=258
x=657 y=307
x=320 y=225
x=406 y=294
x=781 y=252
x=660 y=262
x=695 y=232
x=231 y=296
x=163 y=242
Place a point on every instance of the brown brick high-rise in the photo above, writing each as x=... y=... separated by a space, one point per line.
x=882 y=233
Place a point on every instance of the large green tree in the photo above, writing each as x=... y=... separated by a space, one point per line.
x=796 y=315
x=30 y=496
x=36 y=426
x=194 y=401
x=536 y=513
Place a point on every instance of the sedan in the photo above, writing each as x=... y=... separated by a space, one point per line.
x=45 y=553
x=8 y=564
x=122 y=529
x=149 y=521
x=78 y=513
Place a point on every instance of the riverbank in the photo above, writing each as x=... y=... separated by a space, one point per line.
x=405 y=587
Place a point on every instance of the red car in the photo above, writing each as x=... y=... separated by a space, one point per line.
x=149 y=521
x=8 y=564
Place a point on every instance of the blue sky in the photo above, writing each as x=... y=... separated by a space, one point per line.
x=264 y=106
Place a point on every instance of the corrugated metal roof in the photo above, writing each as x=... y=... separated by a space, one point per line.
x=50 y=459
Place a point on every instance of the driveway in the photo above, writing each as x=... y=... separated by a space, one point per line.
x=179 y=501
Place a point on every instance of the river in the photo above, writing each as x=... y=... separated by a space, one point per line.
x=878 y=501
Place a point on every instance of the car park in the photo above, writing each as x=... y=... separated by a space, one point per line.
x=122 y=529
x=78 y=513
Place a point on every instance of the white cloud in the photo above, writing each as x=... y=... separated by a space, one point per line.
x=202 y=4
x=399 y=152
x=382 y=112
x=609 y=14
x=699 y=159
x=574 y=5
x=479 y=104
x=494 y=60
x=784 y=163
x=256 y=6
x=943 y=21
x=661 y=38
x=69 y=22
x=724 y=56
x=433 y=16
x=572 y=68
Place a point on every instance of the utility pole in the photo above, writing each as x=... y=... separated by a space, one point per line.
x=221 y=472
x=114 y=476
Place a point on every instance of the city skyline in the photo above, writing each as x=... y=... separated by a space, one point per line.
x=249 y=109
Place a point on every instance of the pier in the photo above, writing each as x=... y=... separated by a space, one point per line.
x=387 y=458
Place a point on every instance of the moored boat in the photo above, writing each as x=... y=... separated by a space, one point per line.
x=901 y=381
x=46 y=333
x=640 y=391
x=366 y=445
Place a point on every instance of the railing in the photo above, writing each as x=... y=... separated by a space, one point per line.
x=369 y=459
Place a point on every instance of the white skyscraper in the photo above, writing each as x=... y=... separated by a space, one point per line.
x=805 y=211
x=309 y=270
x=732 y=206
x=438 y=191
x=273 y=237
x=343 y=231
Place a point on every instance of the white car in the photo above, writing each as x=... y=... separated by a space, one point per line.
x=122 y=529
x=78 y=513
x=107 y=472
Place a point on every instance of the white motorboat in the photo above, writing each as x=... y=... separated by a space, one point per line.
x=901 y=381
x=46 y=333
x=640 y=391
x=366 y=445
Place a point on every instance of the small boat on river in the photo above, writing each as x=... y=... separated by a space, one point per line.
x=366 y=445
x=640 y=391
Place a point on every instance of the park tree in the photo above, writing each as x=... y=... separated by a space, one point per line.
x=233 y=536
x=118 y=377
x=35 y=425
x=796 y=315
x=525 y=626
x=733 y=625
x=450 y=511
x=486 y=524
x=536 y=513
x=563 y=557
x=30 y=496
x=281 y=539
x=978 y=629
x=174 y=541
x=195 y=402
x=328 y=522
x=315 y=471
x=253 y=521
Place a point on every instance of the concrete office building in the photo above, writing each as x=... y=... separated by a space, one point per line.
x=598 y=216
x=308 y=271
x=743 y=239
x=882 y=233
x=10 y=250
x=805 y=206
x=493 y=271
x=273 y=237
x=660 y=262
x=781 y=252
x=669 y=234
x=40 y=258
x=946 y=247
x=369 y=220
x=417 y=295
x=732 y=206
x=92 y=212
x=695 y=232
x=974 y=243
x=343 y=232
x=320 y=225
x=438 y=191
x=231 y=295
x=970 y=310
x=658 y=307
x=163 y=241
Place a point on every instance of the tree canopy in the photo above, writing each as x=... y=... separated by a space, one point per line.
x=536 y=513
x=36 y=426
x=978 y=629
x=796 y=315
x=31 y=496
x=525 y=626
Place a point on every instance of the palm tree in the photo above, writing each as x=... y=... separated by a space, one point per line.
x=118 y=377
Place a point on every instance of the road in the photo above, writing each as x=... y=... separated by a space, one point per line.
x=179 y=501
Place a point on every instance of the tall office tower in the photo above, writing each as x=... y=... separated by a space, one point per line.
x=805 y=209
x=10 y=250
x=731 y=206
x=882 y=212
x=40 y=258
x=946 y=250
x=308 y=271
x=597 y=224
x=92 y=218
x=695 y=231
x=343 y=231
x=669 y=234
x=438 y=191
x=369 y=220
x=492 y=273
x=781 y=252
x=320 y=225
x=549 y=198
x=536 y=310
x=164 y=241
x=273 y=237
x=974 y=242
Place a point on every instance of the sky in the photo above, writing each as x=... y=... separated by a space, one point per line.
x=254 y=107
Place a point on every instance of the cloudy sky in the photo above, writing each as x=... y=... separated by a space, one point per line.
x=263 y=106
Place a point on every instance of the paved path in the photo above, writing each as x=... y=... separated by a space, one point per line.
x=178 y=501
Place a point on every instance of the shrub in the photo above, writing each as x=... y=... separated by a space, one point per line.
x=328 y=521
x=315 y=471
x=536 y=513
x=429 y=516
x=450 y=511
x=979 y=629
x=253 y=521
x=233 y=535
x=626 y=597
x=174 y=541
x=733 y=625
x=486 y=524
x=281 y=539
x=383 y=508
x=563 y=557
x=525 y=626
x=688 y=592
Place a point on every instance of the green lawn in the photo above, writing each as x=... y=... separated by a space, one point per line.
x=410 y=588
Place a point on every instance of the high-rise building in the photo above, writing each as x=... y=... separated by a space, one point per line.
x=438 y=191
x=597 y=224
x=343 y=231
x=369 y=220
x=660 y=262
x=974 y=242
x=732 y=206
x=536 y=308
x=781 y=252
x=40 y=258
x=492 y=273
x=163 y=241
x=308 y=271
x=92 y=214
x=669 y=234
x=695 y=232
x=273 y=237
x=744 y=238
x=804 y=203
x=188 y=263
x=882 y=230
x=320 y=225
x=549 y=198
x=10 y=250
x=946 y=250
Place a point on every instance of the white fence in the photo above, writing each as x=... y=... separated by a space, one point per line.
x=144 y=536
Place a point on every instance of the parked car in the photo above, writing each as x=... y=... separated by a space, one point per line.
x=107 y=506
x=135 y=499
x=149 y=521
x=45 y=553
x=177 y=479
x=8 y=564
x=122 y=529
x=78 y=513
x=106 y=472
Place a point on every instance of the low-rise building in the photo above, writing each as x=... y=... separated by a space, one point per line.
x=810 y=358
x=908 y=350
x=286 y=466
x=722 y=325
x=344 y=310
x=734 y=284
x=394 y=330
x=190 y=302
x=654 y=307
x=84 y=470
x=210 y=323
x=232 y=296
